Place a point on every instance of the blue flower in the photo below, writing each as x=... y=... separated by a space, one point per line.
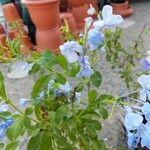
x=94 y=38
x=132 y=121
x=4 y=126
x=41 y=95
x=146 y=110
x=145 y=135
x=137 y=131
x=50 y=84
x=65 y=88
x=145 y=63
x=23 y=102
x=91 y=11
x=133 y=139
x=85 y=70
x=144 y=81
x=56 y=93
x=71 y=50
x=109 y=19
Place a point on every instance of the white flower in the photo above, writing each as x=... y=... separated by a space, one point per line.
x=91 y=11
x=71 y=51
x=88 y=21
x=109 y=20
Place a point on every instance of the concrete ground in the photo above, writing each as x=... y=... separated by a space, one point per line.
x=113 y=130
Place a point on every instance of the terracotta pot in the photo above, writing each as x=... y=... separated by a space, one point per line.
x=122 y=9
x=63 y=5
x=76 y=3
x=3 y=39
x=44 y=14
x=10 y=12
x=80 y=13
x=70 y=20
x=94 y=3
x=1 y=29
x=48 y=39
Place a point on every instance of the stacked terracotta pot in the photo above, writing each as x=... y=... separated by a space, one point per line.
x=3 y=41
x=45 y=16
x=122 y=9
x=11 y=15
x=79 y=11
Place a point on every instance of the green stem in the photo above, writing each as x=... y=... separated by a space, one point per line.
x=8 y=101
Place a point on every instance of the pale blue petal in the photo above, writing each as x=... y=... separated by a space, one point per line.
x=145 y=137
x=133 y=121
x=143 y=95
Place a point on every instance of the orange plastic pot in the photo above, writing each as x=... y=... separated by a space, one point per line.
x=49 y=39
x=44 y=13
x=10 y=12
x=70 y=20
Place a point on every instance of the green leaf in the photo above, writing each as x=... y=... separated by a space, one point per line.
x=60 y=78
x=62 y=62
x=41 y=141
x=92 y=95
x=29 y=111
x=47 y=58
x=61 y=113
x=39 y=84
x=14 y=131
x=74 y=68
x=91 y=131
x=105 y=98
x=12 y=146
x=35 y=69
x=80 y=87
x=2 y=145
x=37 y=109
x=103 y=112
x=96 y=79
x=2 y=86
x=94 y=124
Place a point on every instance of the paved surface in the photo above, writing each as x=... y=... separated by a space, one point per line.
x=113 y=130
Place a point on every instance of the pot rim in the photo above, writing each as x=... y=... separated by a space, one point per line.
x=39 y=2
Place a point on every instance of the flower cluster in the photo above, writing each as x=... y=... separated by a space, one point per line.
x=137 y=119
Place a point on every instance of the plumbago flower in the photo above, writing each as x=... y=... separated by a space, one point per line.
x=109 y=20
x=144 y=81
x=3 y=127
x=71 y=50
x=88 y=21
x=91 y=11
x=85 y=70
x=145 y=63
x=95 y=38
x=137 y=119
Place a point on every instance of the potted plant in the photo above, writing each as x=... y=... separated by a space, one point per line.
x=121 y=7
